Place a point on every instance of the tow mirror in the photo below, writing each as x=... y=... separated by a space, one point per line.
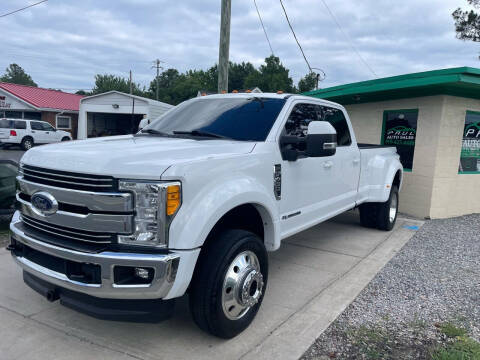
x=321 y=139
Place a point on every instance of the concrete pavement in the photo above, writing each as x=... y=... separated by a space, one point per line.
x=11 y=154
x=312 y=278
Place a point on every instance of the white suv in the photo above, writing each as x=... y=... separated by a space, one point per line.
x=26 y=133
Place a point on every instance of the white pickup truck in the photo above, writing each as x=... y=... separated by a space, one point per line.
x=118 y=227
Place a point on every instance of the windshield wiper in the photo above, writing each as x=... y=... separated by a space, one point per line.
x=201 y=133
x=154 y=132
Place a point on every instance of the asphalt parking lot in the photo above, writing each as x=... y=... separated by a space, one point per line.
x=13 y=153
x=313 y=278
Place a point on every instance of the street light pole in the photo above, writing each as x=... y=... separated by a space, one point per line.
x=224 y=46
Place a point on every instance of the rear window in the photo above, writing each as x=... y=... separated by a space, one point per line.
x=6 y=124
x=20 y=124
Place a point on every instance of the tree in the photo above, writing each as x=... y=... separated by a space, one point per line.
x=82 y=92
x=271 y=77
x=16 y=75
x=108 y=82
x=467 y=23
x=307 y=83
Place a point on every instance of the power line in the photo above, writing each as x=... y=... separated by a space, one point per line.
x=26 y=7
x=295 y=36
x=348 y=39
x=261 y=22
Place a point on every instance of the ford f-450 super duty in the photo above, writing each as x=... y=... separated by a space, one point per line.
x=118 y=227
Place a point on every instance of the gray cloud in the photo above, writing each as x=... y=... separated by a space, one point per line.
x=63 y=44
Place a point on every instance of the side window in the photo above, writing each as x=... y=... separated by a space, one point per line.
x=299 y=118
x=338 y=121
x=35 y=125
x=20 y=124
x=47 y=127
x=6 y=124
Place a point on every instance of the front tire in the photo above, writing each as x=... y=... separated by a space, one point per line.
x=229 y=283
x=65 y=138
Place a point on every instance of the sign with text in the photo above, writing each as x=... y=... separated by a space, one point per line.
x=470 y=155
x=3 y=103
x=400 y=130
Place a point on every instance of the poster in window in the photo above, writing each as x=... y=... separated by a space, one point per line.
x=400 y=130
x=470 y=155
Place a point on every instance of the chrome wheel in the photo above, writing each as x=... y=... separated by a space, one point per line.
x=242 y=286
x=392 y=214
x=27 y=144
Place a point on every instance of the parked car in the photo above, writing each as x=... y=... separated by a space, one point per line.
x=8 y=173
x=26 y=133
x=119 y=227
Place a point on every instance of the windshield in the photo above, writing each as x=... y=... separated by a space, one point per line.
x=246 y=119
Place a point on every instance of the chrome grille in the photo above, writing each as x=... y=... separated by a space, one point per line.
x=65 y=233
x=68 y=180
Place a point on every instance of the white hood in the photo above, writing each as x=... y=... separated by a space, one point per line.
x=138 y=157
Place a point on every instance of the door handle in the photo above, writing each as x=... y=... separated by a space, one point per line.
x=47 y=132
x=33 y=131
x=327 y=164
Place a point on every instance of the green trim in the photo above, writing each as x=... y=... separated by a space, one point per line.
x=473 y=112
x=469 y=172
x=407 y=170
x=462 y=81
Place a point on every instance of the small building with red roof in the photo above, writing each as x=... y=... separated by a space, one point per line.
x=58 y=108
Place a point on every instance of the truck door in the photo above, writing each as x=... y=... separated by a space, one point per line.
x=345 y=172
x=314 y=189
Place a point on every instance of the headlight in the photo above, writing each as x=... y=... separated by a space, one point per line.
x=156 y=203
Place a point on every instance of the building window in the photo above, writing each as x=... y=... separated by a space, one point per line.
x=470 y=155
x=64 y=122
x=31 y=115
x=13 y=114
x=400 y=130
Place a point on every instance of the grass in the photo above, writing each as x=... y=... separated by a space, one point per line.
x=451 y=330
x=463 y=348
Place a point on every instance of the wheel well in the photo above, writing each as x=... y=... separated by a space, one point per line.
x=397 y=179
x=27 y=137
x=244 y=217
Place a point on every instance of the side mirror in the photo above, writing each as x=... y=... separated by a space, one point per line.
x=321 y=139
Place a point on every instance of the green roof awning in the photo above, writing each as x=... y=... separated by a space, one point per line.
x=462 y=81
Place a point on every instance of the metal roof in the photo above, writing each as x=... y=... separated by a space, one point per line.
x=461 y=81
x=43 y=99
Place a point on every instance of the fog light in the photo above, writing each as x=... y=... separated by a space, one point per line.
x=142 y=273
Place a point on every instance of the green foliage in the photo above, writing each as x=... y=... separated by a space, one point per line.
x=467 y=23
x=307 y=83
x=451 y=331
x=108 y=82
x=271 y=77
x=16 y=75
x=175 y=87
x=464 y=348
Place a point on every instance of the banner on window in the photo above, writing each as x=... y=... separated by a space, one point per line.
x=470 y=155
x=400 y=130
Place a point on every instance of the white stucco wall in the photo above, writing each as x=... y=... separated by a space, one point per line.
x=433 y=188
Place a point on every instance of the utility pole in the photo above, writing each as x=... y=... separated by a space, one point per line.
x=224 y=46
x=156 y=64
x=131 y=84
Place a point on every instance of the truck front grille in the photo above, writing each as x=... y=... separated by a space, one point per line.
x=68 y=180
x=65 y=233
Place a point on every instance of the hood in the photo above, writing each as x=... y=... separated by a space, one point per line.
x=127 y=156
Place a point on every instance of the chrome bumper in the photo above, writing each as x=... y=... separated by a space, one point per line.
x=165 y=267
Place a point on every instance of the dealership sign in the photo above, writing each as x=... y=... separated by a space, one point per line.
x=470 y=155
x=400 y=135
x=4 y=104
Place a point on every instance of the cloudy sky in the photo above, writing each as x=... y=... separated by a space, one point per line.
x=64 y=43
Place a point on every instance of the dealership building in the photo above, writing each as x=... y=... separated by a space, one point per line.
x=433 y=118
x=58 y=108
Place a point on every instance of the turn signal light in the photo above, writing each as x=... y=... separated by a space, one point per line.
x=173 y=199
x=13 y=133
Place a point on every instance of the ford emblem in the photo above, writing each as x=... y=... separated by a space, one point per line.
x=44 y=203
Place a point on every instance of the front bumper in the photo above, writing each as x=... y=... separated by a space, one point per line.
x=165 y=268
